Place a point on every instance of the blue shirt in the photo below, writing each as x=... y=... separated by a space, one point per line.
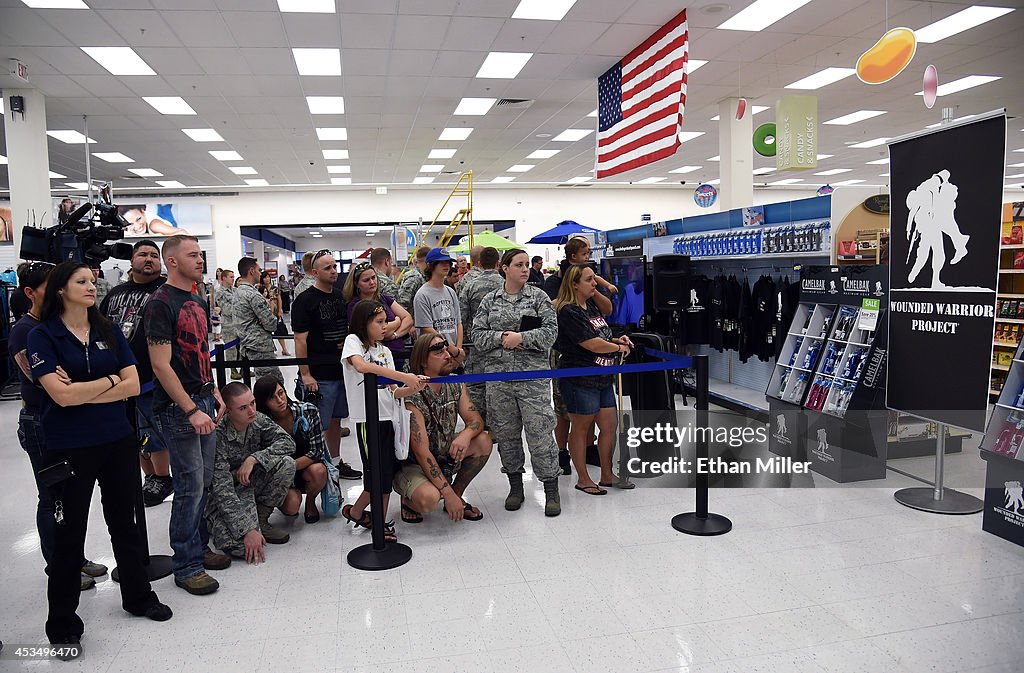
x=31 y=394
x=75 y=427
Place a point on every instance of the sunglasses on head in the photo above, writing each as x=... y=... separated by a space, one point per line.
x=319 y=254
x=361 y=266
x=37 y=266
x=438 y=347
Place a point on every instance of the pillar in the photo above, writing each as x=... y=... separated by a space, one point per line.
x=737 y=156
x=28 y=162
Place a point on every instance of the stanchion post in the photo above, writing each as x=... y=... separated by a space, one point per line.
x=246 y=372
x=701 y=522
x=378 y=555
x=220 y=359
x=938 y=499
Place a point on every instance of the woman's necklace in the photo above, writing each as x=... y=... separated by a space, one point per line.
x=78 y=332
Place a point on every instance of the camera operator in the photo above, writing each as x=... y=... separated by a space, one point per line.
x=124 y=307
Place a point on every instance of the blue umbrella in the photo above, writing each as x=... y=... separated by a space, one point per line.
x=561 y=232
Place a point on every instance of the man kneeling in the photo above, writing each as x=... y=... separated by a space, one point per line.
x=251 y=475
x=436 y=452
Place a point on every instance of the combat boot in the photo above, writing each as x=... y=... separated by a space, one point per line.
x=271 y=534
x=552 y=503
x=515 y=492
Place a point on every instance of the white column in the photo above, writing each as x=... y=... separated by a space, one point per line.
x=259 y=251
x=736 y=152
x=28 y=162
x=227 y=241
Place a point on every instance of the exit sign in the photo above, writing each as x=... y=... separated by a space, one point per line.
x=18 y=69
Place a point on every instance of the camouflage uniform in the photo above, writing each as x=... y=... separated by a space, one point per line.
x=472 y=289
x=231 y=508
x=102 y=289
x=255 y=322
x=303 y=285
x=386 y=284
x=412 y=280
x=225 y=297
x=516 y=405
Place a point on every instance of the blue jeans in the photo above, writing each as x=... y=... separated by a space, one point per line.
x=584 y=401
x=192 y=458
x=332 y=403
x=153 y=442
x=30 y=434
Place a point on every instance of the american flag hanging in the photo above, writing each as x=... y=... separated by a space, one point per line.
x=640 y=101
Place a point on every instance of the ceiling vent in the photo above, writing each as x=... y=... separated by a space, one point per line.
x=514 y=103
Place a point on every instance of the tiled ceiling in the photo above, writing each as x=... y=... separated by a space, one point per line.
x=405 y=65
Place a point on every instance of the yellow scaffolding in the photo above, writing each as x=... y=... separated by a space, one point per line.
x=464 y=187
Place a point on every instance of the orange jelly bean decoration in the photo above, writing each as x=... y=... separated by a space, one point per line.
x=891 y=54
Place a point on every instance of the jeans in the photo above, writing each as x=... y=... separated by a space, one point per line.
x=585 y=401
x=148 y=433
x=192 y=458
x=30 y=434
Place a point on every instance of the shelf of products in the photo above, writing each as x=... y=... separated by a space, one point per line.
x=1009 y=301
x=808 y=238
x=1005 y=433
x=868 y=247
x=800 y=352
x=842 y=364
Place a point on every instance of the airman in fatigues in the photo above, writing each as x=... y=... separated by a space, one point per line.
x=225 y=298
x=386 y=284
x=472 y=289
x=515 y=405
x=232 y=509
x=255 y=322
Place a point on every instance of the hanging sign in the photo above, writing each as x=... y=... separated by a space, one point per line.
x=705 y=195
x=796 y=142
x=943 y=270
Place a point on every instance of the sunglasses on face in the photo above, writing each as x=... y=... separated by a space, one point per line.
x=438 y=347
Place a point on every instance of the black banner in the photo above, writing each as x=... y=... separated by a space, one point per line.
x=947 y=190
x=634 y=247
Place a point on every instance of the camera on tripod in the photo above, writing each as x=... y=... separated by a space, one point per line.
x=83 y=235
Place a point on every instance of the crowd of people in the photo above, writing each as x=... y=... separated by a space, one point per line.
x=136 y=369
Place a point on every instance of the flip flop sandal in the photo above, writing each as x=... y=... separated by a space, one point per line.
x=363 y=521
x=466 y=513
x=389 y=532
x=409 y=515
x=591 y=490
x=620 y=484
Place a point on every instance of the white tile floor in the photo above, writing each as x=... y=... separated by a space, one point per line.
x=826 y=579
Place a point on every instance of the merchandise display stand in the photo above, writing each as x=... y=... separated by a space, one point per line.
x=1003 y=451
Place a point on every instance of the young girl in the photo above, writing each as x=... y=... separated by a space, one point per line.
x=364 y=353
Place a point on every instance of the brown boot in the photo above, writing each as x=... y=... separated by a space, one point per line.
x=271 y=534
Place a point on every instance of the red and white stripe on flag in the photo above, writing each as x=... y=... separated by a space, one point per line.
x=641 y=100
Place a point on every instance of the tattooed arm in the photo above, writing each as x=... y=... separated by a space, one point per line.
x=419 y=447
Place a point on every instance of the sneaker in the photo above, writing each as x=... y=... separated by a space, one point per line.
x=157 y=611
x=156 y=490
x=87 y=583
x=214 y=561
x=93 y=569
x=345 y=431
x=236 y=375
x=199 y=584
x=345 y=471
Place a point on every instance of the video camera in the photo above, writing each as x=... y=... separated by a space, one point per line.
x=83 y=235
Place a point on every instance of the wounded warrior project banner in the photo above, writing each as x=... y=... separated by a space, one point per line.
x=947 y=190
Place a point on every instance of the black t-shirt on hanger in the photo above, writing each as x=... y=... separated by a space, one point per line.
x=695 y=315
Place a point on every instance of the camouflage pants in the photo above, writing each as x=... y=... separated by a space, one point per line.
x=516 y=405
x=267 y=486
x=229 y=335
x=263 y=371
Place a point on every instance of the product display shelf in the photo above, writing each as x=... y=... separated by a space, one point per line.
x=1009 y=306
x=1005 y=433
x=841 y=365
x=801 y=352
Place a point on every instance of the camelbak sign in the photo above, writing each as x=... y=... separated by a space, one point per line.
x=947 y=189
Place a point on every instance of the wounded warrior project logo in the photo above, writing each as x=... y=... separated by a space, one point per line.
x=781 y=433
x=1013 y=500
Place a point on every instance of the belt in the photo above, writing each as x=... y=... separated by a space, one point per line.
x=205 y=390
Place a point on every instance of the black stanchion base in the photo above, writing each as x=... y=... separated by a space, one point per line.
x=953 y=502
x=368 y=558
x=159 y=567
x=692 y=524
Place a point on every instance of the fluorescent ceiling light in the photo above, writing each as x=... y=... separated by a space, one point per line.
x=441 y=154
x=475 y=106
x=503 y=179
x=764 y=171
x=648 y=181
x=845 y=183
x=169 y=105
x=1008 y=177
x=451 y=133
x=717 y=157
x=3 y=160
x=169 y=183
x=883 y=175
x=307 y=6
x=1020 y=165
x=716 y=181
x=823 y=78
x=503 y=64
x=762 y=14
x=686 y=169
x=878 y=162
x=422 y=181
x=963 y=20
x=787 y=181
x=203 y=135
x=431 y=168
x=339 y=169
x=56 y=4
x=226 y=155
x=754 y=109
x=257 y=182
x=957 y=85
x=69 y=137
x=958 y=119
x=316 y=234
x=593 y=114
x=77 y=185
x=336 y=133
x=870 y=143
x=542 y=154
x=243 y=170
x=694 y=64
x=822 y=157
x=835 y=171
x=341 y=181
x=686 y=136
x=146 y=172
x=855 y=117
x=520 y=168
x=119 y=60
x=326 y=105
x=580 y=179
x=57 y=176
x=1020 y=150
x=318 y=62
x=335 y=154
x=543 y=10
x=572 y=135
x=113 y=157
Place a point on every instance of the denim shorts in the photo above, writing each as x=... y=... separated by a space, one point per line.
x=584 y=401
x=332 y=403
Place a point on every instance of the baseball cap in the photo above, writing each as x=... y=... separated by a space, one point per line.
x=438 y=255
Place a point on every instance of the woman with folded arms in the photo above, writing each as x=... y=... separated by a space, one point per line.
x=87 y=370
